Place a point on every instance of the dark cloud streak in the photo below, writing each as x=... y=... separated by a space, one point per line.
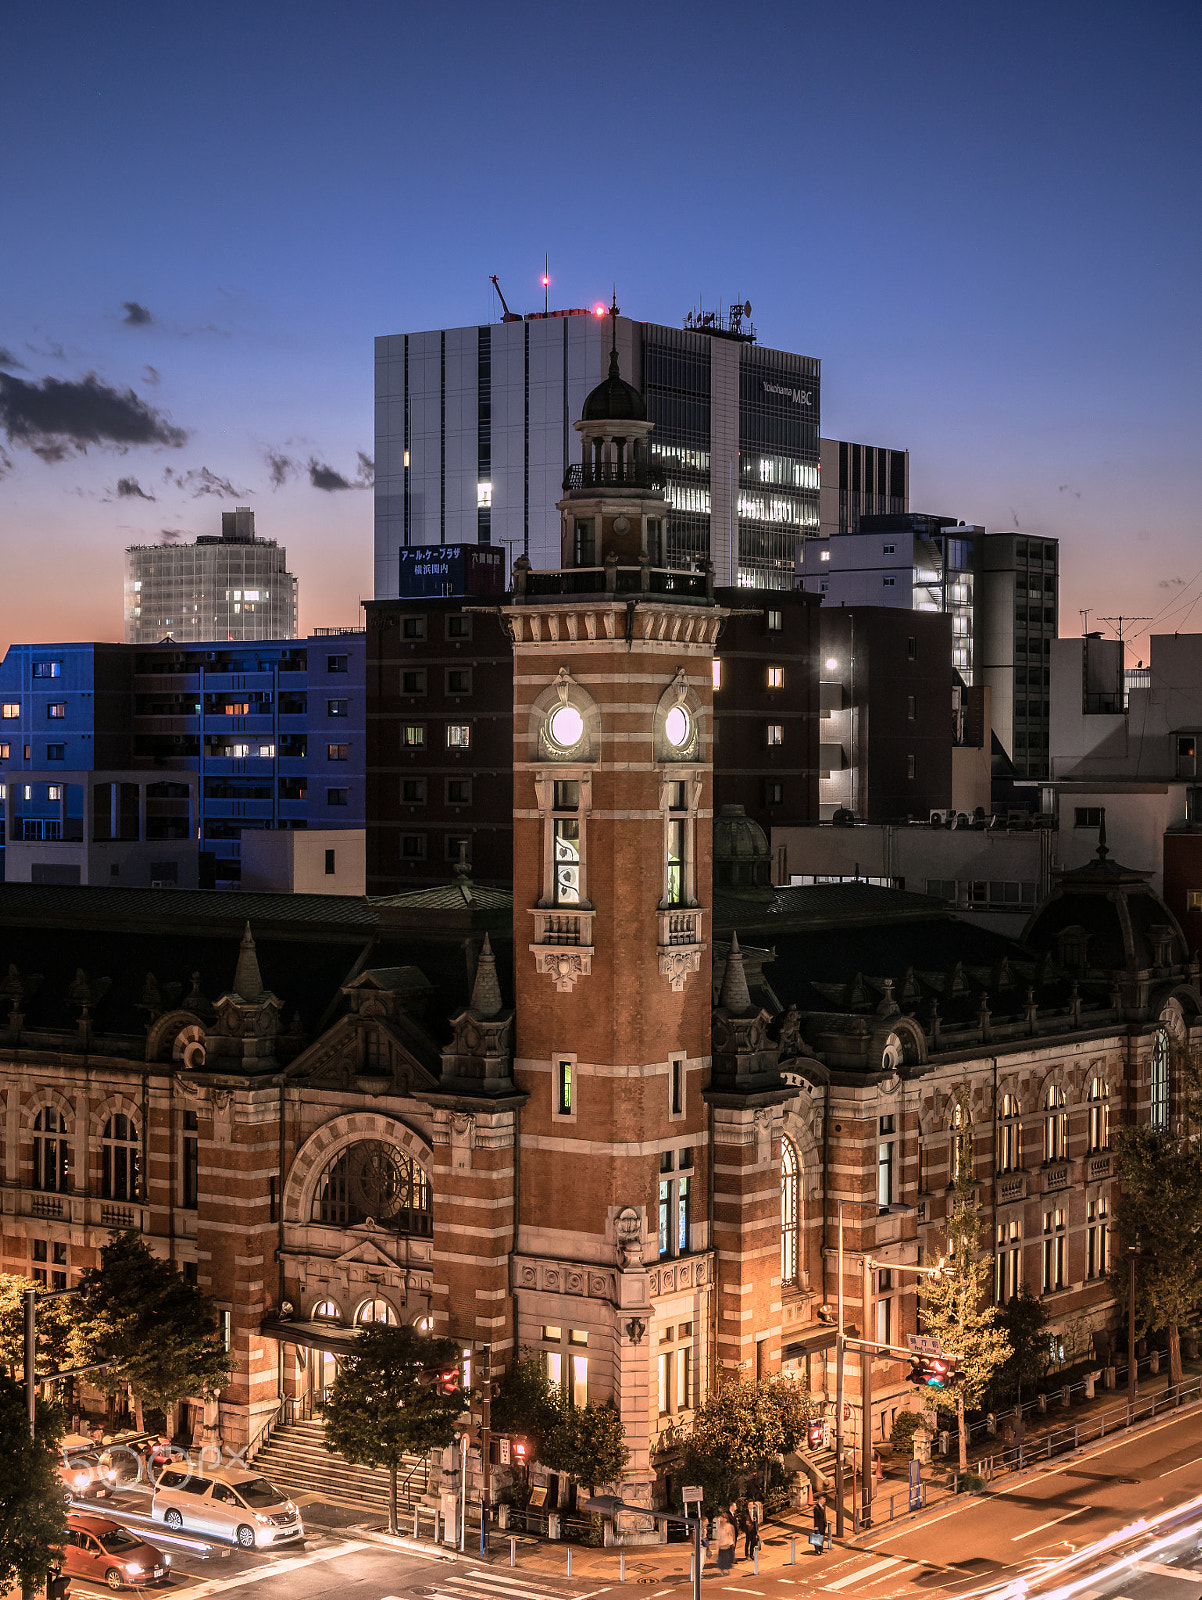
x=61 y=417
x=131 y=489
x=198 y=481
x=136 y=316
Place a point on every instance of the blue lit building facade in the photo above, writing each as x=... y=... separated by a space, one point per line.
x=273 y=729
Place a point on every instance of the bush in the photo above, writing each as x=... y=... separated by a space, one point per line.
x=777 y=1500
x=905 y=1425
x=970 y=1483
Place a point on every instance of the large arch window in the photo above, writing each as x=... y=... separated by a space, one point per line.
x=376 y=1180
x=1161 y=1053
x=1009 y=1143
x=51 y=1151
x=375 y=1311
x=790 y=1213
x=1099 y=1115
x=1055 y=1124
x=121 y=1163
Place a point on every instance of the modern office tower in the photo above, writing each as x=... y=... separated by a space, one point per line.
x=474 y=439
x=274 y=731
x=1018 y=607
x=231 y=588
x=860 y=480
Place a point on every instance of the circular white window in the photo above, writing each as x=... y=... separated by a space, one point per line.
x=566 y=727
x=678 y=726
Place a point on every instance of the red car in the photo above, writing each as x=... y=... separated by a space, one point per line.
x=104 y=1552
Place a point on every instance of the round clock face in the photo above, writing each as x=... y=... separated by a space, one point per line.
x=566 y=727
x=678 y=726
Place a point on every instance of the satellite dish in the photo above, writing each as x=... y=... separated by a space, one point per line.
x=747 y=308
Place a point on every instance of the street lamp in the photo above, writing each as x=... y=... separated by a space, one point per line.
x=606 y=1505
x=1133 y=1251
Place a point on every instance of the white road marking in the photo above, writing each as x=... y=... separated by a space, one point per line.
x=275 y=1568
x=863 y=1573
x=1166 y=1571
x=1027 y=1534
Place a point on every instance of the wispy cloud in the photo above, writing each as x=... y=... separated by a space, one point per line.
x=131 y=489
x=198 y=481
x=58 y=417
x=7 y=359
x=136 y=316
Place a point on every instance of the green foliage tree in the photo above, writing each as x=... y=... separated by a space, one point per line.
x=1160 y=1207
x=1025 y=1324
x=742 y=1427
x=528 y=1405
x=159 y=1330
x=33 y=1502
x=379 y=1410
x=954 y=1308
x=905 y=1425
x=56 y=1329
x=589 y=1444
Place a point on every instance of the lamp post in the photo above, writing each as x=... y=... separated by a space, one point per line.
x=1132 y=1375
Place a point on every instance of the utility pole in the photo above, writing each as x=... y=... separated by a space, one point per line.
x=840 y=1346
x=1118 y=624
x=866 y=1402
x=1132 y=1375
x=485 y=1444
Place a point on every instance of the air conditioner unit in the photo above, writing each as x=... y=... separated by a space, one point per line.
x=939 y=819
x=163 y=883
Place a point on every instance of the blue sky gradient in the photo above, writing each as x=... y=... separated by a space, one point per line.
x=984 y=220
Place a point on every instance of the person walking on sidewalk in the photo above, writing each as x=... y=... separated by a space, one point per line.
x=726 y=1535
x=820 y=1523
x=752 y=1518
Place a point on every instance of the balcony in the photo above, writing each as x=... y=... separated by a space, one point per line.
x=1055 y=1176
x=623 y=474
x=1098 y=1166
x=563 y=944
x=680 y=945
x=614 y=579
x=1010 y=1186
x=563 y=925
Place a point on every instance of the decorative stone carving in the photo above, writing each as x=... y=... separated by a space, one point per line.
x=565 y=966
x=677 y=962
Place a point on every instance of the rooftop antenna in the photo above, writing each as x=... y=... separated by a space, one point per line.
x=1084 y=615
x=508 y=315
x=613 y=342
x=546 y=284
x=1119 y=623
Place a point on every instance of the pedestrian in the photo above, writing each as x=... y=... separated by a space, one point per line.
x=820 y=1523
x=755 y=1516
x=725 y=1538
x=705 y=1547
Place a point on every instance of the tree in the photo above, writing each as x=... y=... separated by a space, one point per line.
x=33 y=1502
x=56 y=1325
x=382 y=1406
x=742 y=1427
x=159 y=1330
x=1024 y=1321
x=955 y=1309
x=1160 y=1208
x=528 y=1405
x=589 y=1444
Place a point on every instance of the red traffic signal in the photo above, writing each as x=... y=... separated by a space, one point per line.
x=520 y=1451
x=814 y=1435
x=443 y=1380
x=935 y=1372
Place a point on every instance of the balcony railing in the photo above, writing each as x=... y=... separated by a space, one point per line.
x=1011 y=1186
x=680 y=927
x=1055 y=1177
x=615 y=580
x=559 y=926
x=1099 y=1166
x=625 y=474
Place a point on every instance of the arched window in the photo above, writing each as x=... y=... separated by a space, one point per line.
x=376 y=1180
x=121 y=1163
x=327 y=1311
x=425 y=1324
x=51 y=1152
x=790 y=1213
x=1055 y=1124
x=1099 y=1115
x=1009 y=1134
x=1161 y=1052
x=375 y=1311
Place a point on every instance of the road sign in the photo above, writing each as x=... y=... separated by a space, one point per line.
x=691 y=1492
x=923 y=1346
x=915 y=1485
x=504 y=1451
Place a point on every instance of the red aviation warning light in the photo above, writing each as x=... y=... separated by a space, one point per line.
x=600 y=311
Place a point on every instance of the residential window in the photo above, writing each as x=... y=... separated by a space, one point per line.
x=338 y=797
x=565 y=1075
x=459 y=736
x=1055 y=1124
x=776 y=621
x=1009 y=1261
x=5 y=751
x=1009 y=1154
x=10 y=710
x=717 y=672
x=1087 y=816
x=413 y=681
x=911 y=766
x=337 y=663
x=47 y=669
x=775 y=734
x=911 y=707
x=56 y=710
x=1161 y=1052
x=676 y=1072
x=790 y=1213
x=413 y=627
x=413 y=847
x=1097 y=1239
x=889 y=583
x=56 y=752
x=413 y=791
x=911 y=648
x=336 y=752
x=337 y=708
x=776 y=677
x=459 y=627
x=120 y=1159
x=413 y=736
x=51 y=1151
x=330 y=869
x=886 y=1151
x=1099 y=1115
x=459 y=791
x=459 y=680
x=54 y=791
x=1054 y=1246
x=674 y=1227
x=774 y=794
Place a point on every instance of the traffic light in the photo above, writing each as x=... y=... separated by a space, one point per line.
x=935 y=1372
x=443 y=1380
x=814 y=1435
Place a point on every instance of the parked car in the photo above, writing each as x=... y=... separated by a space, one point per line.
x=103 y=1551
x=80 y=1468
x=234 y=1504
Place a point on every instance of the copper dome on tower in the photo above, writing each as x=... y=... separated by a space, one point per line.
x=614 y=400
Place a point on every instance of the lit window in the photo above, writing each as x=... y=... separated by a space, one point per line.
x=238 y=751
x=1193 y=898
x=5 y=752
x=775 y=733
x=47 y=669
x=790 y=1212
x=824 y=555
x=3 y=791
x=54 y=791
x=27 y=791
x=459 y=736
x=1055 y=1125
x=484 y=494
x=337 y=708
x=566 y=727
x=717 y=672
x=413 y=736
x=776 y=621
x=564 y=1077
x=336 y=752
x=678 y=726
x=10 y=710
x=251 y=594
x=1099 y=1115
x=1161 y=1051
x=567 y=861
x=776 y=677
x=267 y=751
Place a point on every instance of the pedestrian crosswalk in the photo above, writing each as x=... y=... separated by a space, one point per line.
x=485 y=1583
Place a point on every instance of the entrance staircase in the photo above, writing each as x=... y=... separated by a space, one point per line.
x=295 y=1458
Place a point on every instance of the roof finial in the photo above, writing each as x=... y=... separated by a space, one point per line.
x=486 y=991
x=248 y=982
x=735 y=996
x=614 y=370
x=1103 y=852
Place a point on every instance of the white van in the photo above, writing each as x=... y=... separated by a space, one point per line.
x=233 y=1503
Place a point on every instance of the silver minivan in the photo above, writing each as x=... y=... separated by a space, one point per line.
x=233 y=1503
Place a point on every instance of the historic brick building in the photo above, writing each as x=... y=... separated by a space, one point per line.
x=583 y=1118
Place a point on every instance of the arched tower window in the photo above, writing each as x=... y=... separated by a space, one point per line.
x=376 y=1180
x=790 y=1213
x=1055 y=1124
x=1009 y=1141
x=121 y=1162
x=1099 y=1115
x=1161 y=1053
x=51 y=1151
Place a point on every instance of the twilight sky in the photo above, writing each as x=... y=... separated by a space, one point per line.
x=985 y=220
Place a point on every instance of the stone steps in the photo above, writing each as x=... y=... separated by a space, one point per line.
x=295 y=1458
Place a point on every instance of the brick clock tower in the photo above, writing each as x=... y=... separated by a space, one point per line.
x=613 y=1270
